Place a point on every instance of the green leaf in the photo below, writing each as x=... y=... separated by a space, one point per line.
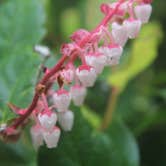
x=124 y=146
x=21 y=23
x=15 y=155
x=91 y=117
x=21 y=27
x=143 y=54
x=84 y=147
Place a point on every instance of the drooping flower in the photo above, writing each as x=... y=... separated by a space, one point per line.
x=132 y=27
x=96 y=60
x=66 y=120
x=51 y=138
x=112 y=53
x=78 y=94
x=143 y=12
x=119 y=34
x=37 y=137
x=86 y=75
x=47 y=121
x=61 y=99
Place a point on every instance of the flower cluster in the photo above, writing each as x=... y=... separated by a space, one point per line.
x=97 y=49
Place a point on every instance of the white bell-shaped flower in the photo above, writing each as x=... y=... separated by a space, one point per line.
x=47 y=120
x=133 y=27
x=97 y=61
x=66 y=120
x=78 y=94
x=61 y=99
x=37 y=137
x=112 y=53
x=119 y=34
x=51 y=138
x=143 y=12
x=87 y=75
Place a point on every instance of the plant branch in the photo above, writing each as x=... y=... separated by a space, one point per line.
x=42 y=85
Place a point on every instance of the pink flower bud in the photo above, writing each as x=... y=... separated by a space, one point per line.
x=86 y=75
x=78 y=94
x=132 y=27
x=112 y=53
x=51 y=138
x=67 y=49
x=67 y=75
x=79 y=35
x=143 y=12
x=66 y=120
x=62 y=100
x=122 y=9
x=37 y=137
x=119 y=34
x=97 y=61
x=47 y=121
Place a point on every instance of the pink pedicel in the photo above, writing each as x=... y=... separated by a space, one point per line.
x=79 y=35
x=103 y=46
x=67 y=49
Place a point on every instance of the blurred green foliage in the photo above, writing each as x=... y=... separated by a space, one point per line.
x=137 y=133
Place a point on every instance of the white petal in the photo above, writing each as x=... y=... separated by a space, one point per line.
x=119 y=34
x=133 y=28
x=52 y=138
x=78 y=95
x=47 y=121
x=66 y=120
x=87 y=77
x=143 y=12
x=37 y=137
x=62 y=101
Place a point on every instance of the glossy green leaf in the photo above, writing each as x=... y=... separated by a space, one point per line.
x=124 y=145
x=21 y=27
x=91 y=117
x=84 y=147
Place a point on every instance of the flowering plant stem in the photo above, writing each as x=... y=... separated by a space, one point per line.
x=42 y=85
